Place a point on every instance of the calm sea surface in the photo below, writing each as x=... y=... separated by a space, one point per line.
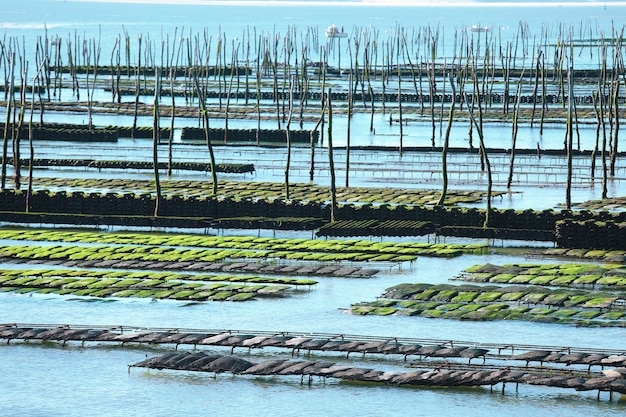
x=49 y=380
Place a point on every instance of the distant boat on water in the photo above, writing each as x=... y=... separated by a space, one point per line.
x=478 y=28
x=333 y=31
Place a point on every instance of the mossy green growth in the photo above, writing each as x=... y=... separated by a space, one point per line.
x=470 y=307
x=476 y=315
x=518 y=309
x=600 y=302
x=81 y=283
x=424 y=295
x=572 y=269
x=104 y=292
x=563 y=281
x=534 y=298
x=556 y=299
x=18 y=282
x=384 y=311
x=408 y=304
x=465 y=297
x=149 y=283
x=542 y=280
x=488 y=296
x=612 y=315
x=221 y=296
x=361 y=310
x=595 y=254
x=512 y=296
x=454 y=314
x=182 y=295
x=202 y=295
x=383 y=303
x=445 y=295
x=61 y=281
x=522 y=279
x=124 y=293
x=145 y=294
x=242 y=297
x=561 y=313
x=103 y=283
x=476 y=269
x=586 y=279
x=432 y=314
x=575 y=300
x=448 y=306
x=501 y=278
x=609 y=281
x=538 y=311
x=448 y=253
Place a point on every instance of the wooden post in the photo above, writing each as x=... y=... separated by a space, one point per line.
x=446 y=142
x=7 y=124
x=515 y=129
x=331 y=163
x=156 y=133
x=570 y=137
x=201 y=98
x=288 y=138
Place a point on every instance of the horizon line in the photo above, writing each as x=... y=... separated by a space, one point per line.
x=372 y=3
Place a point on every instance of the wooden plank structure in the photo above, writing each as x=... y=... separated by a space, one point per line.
x=468 y=377
x=308 y=342
x=212 y=267
x=441 y=362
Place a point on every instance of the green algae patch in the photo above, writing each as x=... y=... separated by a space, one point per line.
x=432 y=314
x=487 y=297
x=465 y=297
x=361 y=310
x=384 y=311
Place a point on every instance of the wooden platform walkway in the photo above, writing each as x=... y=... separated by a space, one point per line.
x=281 y=267
x=437 y=362
x=468 y=377
x=307 y=342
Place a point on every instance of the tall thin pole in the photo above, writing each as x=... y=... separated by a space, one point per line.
x=331 y=163
x=570 y=138
x=156 y=133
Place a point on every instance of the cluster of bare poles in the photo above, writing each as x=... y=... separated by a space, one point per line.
x=573 y=74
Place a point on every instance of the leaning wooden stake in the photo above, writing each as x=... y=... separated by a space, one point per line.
x=170 y=139
x=156 y=130
x=570 y=138
x=7 y=124
x=331 y=163
x=17 y=136
x=288 y=138
x=31 y=148
x=228 y=93
x=515 y=129
x=349 y=122
x=479 y=129
x=595 y=97
x=137 y=90
x=202 y=100
x=446 y=142
x=400 y=102
x=616 y=124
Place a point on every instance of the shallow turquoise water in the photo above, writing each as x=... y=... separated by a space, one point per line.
x=95 y=378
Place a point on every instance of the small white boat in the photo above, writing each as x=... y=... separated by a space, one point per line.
x=333 y=31
x=477 y=28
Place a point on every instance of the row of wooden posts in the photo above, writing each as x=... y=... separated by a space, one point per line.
x=471 y=69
